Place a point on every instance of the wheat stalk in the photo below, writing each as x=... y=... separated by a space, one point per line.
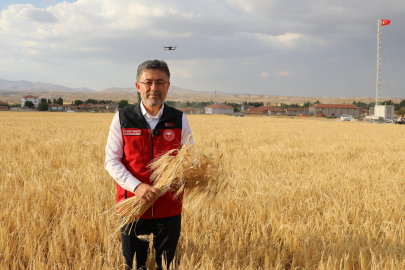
x=194 y=171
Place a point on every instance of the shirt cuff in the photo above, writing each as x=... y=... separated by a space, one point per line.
x=131 y=184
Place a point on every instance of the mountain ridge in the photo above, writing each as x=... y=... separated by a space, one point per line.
x=23 y=85
x=175 y=94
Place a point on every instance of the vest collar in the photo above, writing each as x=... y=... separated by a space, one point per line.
x=137 y=113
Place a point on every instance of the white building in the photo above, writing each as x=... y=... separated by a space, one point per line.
x=335 y=109
x=296 y=111
x=34 y=100
x=55 y=107
x=112 y=106
x=218 y=108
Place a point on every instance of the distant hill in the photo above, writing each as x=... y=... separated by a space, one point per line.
x=38 y=86
x=13 y=91
x=172 y=90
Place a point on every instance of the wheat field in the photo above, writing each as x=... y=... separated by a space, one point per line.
x=298 y=194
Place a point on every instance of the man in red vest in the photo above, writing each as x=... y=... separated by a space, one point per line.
x=139 y=134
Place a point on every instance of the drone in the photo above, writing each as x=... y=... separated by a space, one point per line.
x=170 y=48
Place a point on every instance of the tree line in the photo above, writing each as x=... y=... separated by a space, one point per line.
x=92 y=101
x=397 y=106
x=400 y=106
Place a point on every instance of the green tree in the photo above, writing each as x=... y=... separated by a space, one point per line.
x=78 y=102
x=401 y=112
x=59 y=101
x=49 y=101
x=43 y=100
x=235 y=109
x=123 y=103
x=307 y=104
x=29 y=104
x=43 y=106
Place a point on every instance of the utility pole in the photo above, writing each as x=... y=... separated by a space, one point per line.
x=379 y=25
x=377 y=94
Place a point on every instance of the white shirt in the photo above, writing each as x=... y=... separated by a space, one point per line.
x=114 y=148
x=152 y=120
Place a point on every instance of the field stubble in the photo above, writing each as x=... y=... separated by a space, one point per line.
x=300 y=194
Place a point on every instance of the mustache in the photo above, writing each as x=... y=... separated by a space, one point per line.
x=153 y=93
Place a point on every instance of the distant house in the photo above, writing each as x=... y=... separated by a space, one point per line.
x=218 y=108
x=98 y=107
x=188 y=110
x=55 y=107
x=68 y=107
x=276 y=111
x=296 y=111
x=364 y=111
x=257 y=112
x=112 y=106
x=3 y=106
x=85 y=106
x=33 y=99
x=243 y=108
x=335 y=109
x=267 y=110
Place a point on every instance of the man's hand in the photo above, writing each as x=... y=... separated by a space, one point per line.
x=174 y=188
x=146 y=193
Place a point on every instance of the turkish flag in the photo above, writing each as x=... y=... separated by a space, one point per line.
x=385 y=22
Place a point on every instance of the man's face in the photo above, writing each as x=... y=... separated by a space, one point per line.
x=153 y=86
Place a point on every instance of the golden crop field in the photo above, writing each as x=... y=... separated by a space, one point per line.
x=300 y=194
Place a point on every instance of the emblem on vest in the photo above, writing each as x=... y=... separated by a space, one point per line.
x=169 y=135
x=169 y=124
x=131 y=132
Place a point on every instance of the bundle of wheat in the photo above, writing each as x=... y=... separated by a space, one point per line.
x=193 y=170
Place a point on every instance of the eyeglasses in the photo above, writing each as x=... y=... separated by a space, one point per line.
x=157 y=83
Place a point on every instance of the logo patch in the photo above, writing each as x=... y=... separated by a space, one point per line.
x=169 y=135
x=131 y=132
x=169 y=124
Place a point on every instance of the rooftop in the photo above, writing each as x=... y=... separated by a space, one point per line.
x=295 y=109
x=188 y=109
x=219 y=106
x=336 y=106
x=262 y=108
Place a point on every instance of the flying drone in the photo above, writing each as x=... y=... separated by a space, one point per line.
x=170 y=48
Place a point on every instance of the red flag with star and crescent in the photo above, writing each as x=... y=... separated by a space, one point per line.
x=385 y=22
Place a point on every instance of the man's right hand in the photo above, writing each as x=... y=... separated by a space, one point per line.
x=146 y=193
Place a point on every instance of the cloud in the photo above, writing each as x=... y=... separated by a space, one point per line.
x=30 y=13
x=288 y=40
x=328 y=44
x=264 y=74
x=283 y=73
x=48 y=2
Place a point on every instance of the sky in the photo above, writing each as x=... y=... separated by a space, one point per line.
x=322 y=48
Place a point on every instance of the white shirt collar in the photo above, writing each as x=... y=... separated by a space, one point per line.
x=146 y=114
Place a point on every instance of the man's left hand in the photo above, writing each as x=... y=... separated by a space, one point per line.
x=174 y=188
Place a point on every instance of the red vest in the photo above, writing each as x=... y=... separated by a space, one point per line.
x=140 y=148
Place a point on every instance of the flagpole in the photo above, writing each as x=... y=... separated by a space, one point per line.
x=377 y=96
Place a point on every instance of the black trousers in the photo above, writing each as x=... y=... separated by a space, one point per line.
x=166 y=234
